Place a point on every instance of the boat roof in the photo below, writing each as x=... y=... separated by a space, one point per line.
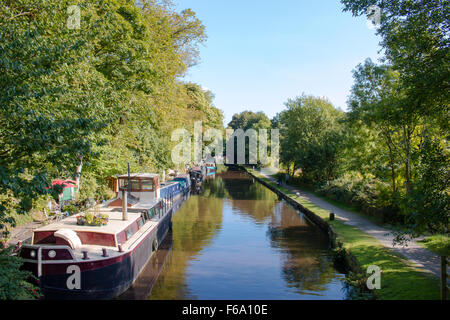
x=115 y=224
x=139 y=175
x=168 y=183
x=181 y=176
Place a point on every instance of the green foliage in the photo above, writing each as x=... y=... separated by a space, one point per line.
x=439 y=244
x=88 y=187
x=71 y=209
x=355 y=284
x=418 y=173
x=415 y=38
x=311 y=134
x=250 y=123
x=367 y=195
x=428 y=203
x=407 y=102
x=89 y=218
x=250 y=120
x=107 y=93
x=13 y=282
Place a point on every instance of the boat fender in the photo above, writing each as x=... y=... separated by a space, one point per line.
x=70 y=236
x=155 y=244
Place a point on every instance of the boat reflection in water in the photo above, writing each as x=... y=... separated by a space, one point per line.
x=142 y=288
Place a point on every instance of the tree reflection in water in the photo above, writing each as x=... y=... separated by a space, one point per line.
x=237 y=240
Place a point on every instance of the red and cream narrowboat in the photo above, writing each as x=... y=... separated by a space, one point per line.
x=75 y=261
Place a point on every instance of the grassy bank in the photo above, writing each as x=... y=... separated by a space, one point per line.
x=399 y=280
x=439 y=244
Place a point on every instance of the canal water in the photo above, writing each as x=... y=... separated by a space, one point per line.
x=237 y=240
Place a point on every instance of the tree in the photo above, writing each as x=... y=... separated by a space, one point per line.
x=54 y=103
x=107 y=93
x=428 y=205
x=250 y=123
x=415 y=36
x=379 y=101
x=250 y=120
x=201 y=107
x=311 y=133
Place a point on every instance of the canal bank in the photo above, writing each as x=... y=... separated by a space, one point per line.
x=400 y=279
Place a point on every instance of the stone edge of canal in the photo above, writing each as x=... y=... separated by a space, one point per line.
x=348 y=259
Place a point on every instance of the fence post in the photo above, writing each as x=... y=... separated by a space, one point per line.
x=444 y=278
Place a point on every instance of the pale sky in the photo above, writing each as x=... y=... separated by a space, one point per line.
x=261 y=53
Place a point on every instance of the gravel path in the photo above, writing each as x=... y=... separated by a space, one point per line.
x=22 y=233
x=418 y=255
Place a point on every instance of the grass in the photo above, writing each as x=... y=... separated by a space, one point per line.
x=439 y=244
x=399 y=281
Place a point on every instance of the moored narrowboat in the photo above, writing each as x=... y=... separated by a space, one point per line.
x=185 y=182
x=73 y=260
x=210 y=169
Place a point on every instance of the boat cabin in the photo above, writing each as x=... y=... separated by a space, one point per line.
x=145 y=187
x=184 y=180
x=68 y=233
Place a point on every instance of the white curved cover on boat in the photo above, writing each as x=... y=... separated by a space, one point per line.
x=70 y=236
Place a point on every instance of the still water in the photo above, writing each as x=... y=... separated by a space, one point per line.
x=237 y=240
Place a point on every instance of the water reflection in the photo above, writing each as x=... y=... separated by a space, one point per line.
x=143 y=287
x=304 y=250
x=238 y=241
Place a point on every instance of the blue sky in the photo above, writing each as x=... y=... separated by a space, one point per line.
x=261 y=53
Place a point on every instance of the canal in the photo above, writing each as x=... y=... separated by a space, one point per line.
x=238 y=241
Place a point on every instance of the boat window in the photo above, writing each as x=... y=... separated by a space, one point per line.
x=135 y=184
x=141 y=221
x=121 y=238
x=123 y=183
x=147 y=184
x=129 y=232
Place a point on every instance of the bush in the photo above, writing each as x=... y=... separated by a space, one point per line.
x=366 y=194
x=13 y=281
x=88 y=188
x=91 y=190
x=105 y=193
x=71 y=209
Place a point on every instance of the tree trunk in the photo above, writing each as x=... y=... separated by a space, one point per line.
x=444 y=278
x=391 y=160
x=78 y=177
x=407 y=136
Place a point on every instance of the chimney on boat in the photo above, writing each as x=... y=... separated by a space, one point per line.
x=125 y=197
x=124 y=205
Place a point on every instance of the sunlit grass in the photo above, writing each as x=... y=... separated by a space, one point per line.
x=439 y=244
